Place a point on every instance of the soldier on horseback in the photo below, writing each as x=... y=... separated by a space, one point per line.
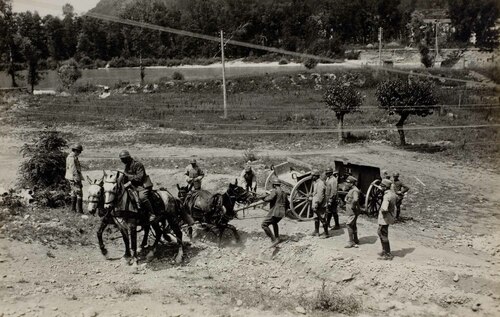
x=140 y=182
x=194 y=175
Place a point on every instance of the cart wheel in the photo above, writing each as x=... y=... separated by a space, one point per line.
x=268 y=185
x=374 y=197
x=300 y=196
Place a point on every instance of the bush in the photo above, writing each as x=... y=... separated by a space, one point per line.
x=310 y=63
x=283 y=61
x=85 y=62
x=352 y=55
x=177 y=76
x=118 y=62
x=331 y=300
x=69 y=73
x=46 y=162
x=249 y=156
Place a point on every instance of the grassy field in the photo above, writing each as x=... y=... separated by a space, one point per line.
x=188 y=113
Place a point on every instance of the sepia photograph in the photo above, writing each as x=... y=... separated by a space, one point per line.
x=250 y=158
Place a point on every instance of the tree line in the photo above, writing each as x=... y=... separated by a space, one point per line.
x=321 y=27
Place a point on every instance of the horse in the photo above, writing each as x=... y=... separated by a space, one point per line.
x=113 y=202
x=215 y=210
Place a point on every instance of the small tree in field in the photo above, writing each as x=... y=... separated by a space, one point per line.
x=342 y=98
x=69 y=73
x=405 y=98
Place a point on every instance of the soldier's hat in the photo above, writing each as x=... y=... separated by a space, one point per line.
x=386 y=182
x=329 y=170
x=351 y=179
x=248 y=168
x=124 y=154
x=385 y=173
x=315 y=172
x=77 y=147
x=193 y=161
x=395 y=174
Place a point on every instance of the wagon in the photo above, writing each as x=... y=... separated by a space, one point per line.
x=296 y=180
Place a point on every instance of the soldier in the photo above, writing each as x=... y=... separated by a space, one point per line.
x=194 y=175
x=331 y=197
x=400 y=189
x=385 y=175
x=277 y=199
x=353 y=209
x=137 y=177
x=386 y=218
x=249 y=178
x=319 y=204
x=74 y=176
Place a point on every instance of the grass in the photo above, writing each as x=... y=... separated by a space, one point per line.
x=332 y=300
x=289 y=101
x=130 y=290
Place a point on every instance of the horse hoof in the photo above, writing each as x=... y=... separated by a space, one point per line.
x=150 y=255
x=178 y=258
x=104 y=251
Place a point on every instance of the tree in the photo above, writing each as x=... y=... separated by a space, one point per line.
x=405 y=98
x=32 y=56
x=9 y=41
x=342 y=98
x=69 y=73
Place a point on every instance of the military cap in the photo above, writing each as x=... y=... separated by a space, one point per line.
x=124 y=154
x=386 y=182
x=329 y=170
x=395 y=174
x=193 y=161
x=351 y=179
x=315 y=172
x=248 y=168
x=385 y=173
x=77 y=147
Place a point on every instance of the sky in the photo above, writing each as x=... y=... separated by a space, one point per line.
x=53 y=7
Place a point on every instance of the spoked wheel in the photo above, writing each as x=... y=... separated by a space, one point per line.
x=374 y=197
x=268 y=185
x=300 y=198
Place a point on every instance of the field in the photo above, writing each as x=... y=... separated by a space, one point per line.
x=447 y=248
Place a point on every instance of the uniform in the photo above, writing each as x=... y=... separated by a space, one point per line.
x=353 y=209
x=137 y=176
x=400 y=189
x=277 y=199
x=318 y=205
x=249 y=178
x=331 y=200
x=194 y=175
x=74 y=175
x=386 y=217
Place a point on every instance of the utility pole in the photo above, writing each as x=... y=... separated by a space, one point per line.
x=223 y=72
x=437 y=26
x=380 y=46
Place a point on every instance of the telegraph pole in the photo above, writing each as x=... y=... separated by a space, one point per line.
x=223 y=72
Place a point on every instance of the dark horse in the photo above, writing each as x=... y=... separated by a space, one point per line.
x=215 y=210
x=113 y=202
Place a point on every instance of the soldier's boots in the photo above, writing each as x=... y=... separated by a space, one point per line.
x=79 y=205
x=386 y=253
x=269 y=233
x=73 y=203
x=355 y=238
x=351 y=243
x=316 y=228
x=336 y=220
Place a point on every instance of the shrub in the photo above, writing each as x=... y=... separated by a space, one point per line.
x=310 y=63
x=85 y=62
x=69 y=73
x=45 y=165
x=249 y=156
x=283 y=61
x=177 y=76
x=332 y=300
x=118 y=62
x=352 y=55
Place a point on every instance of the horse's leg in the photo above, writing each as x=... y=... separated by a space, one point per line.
x=174 y=225
x=144 y=242
x=133 y=241
x=235 y=232
x=125 y=237
x=221 y=232
x=102 y=227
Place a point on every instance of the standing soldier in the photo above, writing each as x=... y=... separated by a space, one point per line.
x=319 y=203
x=277 y=199
x=400 y=189
x=249 y=178
x=331 y=197
x=386 y=218
x=194 y=175
x=137 y=177
x=74 y=176
x=353 y=209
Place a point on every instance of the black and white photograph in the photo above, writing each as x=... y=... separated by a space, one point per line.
x=250 y=158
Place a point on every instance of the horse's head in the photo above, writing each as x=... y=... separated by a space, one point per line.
x=241 y=195
x=113 y=184
x=95 y=195
x=182 y=191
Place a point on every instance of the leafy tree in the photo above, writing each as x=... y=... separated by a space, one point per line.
x=69 y=73
x=54 y=30
x=9 y=41
x=405 y=98
x=32 y=56
x=342 y=98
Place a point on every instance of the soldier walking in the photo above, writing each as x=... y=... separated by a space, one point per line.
x=353 y=209
x=74 y=176
x=400 y=189
x=277 y=199
x=386 y=218
x=137 y=177
x=331 y=197
x=319 y=203
x=194 y=175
